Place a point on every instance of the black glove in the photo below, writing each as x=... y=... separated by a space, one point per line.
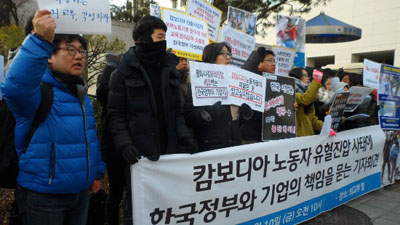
x=130 y=154
x=245 y=111
x=189 y=145
x=211 y=112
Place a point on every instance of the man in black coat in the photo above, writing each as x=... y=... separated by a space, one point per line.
x=144 y=110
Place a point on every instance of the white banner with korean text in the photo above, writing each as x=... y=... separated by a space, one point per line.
x=284 y=58
x=204 y=10
x=277 y=182
x=371 y=73
x=212 y=83
x=186 y=35
x=79 y=16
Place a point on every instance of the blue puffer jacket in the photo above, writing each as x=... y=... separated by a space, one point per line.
x=57 y=161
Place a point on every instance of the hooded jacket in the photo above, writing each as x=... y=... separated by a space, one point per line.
x=64 y=155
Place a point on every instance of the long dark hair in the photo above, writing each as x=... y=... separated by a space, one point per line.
x=211 y=51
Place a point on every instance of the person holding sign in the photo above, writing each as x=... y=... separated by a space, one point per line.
x=216 y=126
x=144 y=110
x=62 y=162
x=306 y=120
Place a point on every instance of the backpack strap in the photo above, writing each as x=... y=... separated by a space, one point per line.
x=42 y=112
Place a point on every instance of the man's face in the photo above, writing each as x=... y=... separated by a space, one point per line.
x=158 y=35
x=183 y=65
x=268 y=64
x=69 y=58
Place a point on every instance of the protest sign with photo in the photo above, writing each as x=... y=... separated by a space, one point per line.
x=242 y=44
x=356 y=97
x=212 y=83
x=155 y=10
x=371 y=73
x=242 y=21
x=2 y=77
x=291 y=32
x=209 y=83
x=79 y=17
x=204 y=10
x=186 y=35
x=389 y=97
x=279 y=120
x=290 y=180
x=337 y=109
x=284 y=58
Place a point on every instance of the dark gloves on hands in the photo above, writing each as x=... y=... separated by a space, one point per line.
x=189 y=145
x=130 y=154
x=245 y=111
x=211 y=112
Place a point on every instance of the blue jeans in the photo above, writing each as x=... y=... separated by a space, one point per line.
x=52 y=209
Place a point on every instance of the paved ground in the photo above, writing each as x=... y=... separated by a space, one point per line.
x=381 y=206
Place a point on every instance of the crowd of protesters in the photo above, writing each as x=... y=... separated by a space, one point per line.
x=147 y=111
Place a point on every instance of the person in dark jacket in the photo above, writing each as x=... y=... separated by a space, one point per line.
x=215 y=126
x=144 y=111
x=112 y=158
x=259 y=61
x=62 y=163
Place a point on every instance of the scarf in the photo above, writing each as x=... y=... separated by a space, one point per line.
x=73 y=83
x=151 y=53
x=300 y=87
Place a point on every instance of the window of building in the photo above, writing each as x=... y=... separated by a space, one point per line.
x=183 y=3
x=174 y=4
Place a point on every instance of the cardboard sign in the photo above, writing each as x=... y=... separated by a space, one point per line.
x=284 y=58
x=204 y=10
x=186 y=35
x=211 y=83
x=337 y=109
x=242 y=21
x=371 y=73
x=389 y=98
x=241 y=43
x=291 y=32
x=279 y=120
x=356 y=97
x=79 y=16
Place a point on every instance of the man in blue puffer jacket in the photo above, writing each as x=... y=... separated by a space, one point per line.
x=63 y=162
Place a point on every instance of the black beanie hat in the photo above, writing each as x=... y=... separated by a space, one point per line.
x=145 y=28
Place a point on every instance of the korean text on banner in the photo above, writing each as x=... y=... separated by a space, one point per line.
x=186 y=35
x=1 y=73
x=79 y=17
x=279 y=118
x=357 y=96
x=241 y=43
x=284 y=58
x=337 y=108
x=371 y=73
x=295 y=180
x=246 y=87
x=389 y=98
x=291 y=32
x=209 y=83
x=204 y=10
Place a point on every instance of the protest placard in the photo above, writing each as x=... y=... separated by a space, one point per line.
x=241 y=43
x=389 y=97
x=290 y=180
x=242 y=21
x=1 y=73
x=186 y=35
x=204 y=10
x=291 y=32
x=209 y=83
x=79 y=16
x=337 y=108
x=212 y=83
x=371 y=73
x=246 y=87
x=155 y=10
x=284 y=58
x=279 y=120
x=356 y=96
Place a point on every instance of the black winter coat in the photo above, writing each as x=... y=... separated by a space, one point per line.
x=132 y=109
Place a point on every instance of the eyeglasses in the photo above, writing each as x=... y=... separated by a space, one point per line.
x=225 y=54
x=270 y=61
x=72 y=51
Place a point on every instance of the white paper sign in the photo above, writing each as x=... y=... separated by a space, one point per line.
x=155 y=10
x=371 y=73
x=284 y=58
x=230 y=85
x=1 y=73
x=79 y=16
x=204 y=10
x=186 y=35
x=291 y=32
x=356 y=96
x=242 y=44
x=289 y=180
